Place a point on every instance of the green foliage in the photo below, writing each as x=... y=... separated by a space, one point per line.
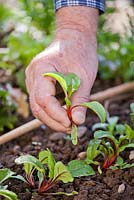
x=7 y=108
x=121 y=164
x=96 y=108
x=70 y=83
x=57 y=171
x=132 y=113
x=115 y=52
x=80 y=168
x=5 y=14
x=5 y=174
x=9 y=195
x=110 y=140
x=44 y=9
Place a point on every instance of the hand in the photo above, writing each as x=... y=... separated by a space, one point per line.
x=72 y=51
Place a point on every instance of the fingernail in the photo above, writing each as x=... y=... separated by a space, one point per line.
x=78 y=117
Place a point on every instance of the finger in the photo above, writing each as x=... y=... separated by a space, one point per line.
x=44 y=91
x=81 y=96
x=42 y=116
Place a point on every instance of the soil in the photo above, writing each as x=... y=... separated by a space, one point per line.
x=97 y=187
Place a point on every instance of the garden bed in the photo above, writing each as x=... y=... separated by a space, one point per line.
x=97 y=187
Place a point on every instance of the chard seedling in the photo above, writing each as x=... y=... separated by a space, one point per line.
x=110 y=147
x=70 y=84
x=48 y=171
x=121 y=164
x=4 y=175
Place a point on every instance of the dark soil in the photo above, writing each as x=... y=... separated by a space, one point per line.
x=97 y=187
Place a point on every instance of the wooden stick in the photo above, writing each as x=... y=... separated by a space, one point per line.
x=100 y=96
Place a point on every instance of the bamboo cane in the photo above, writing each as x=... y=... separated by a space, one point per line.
x=100 y=96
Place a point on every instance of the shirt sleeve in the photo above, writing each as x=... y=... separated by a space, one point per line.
x=99 y=4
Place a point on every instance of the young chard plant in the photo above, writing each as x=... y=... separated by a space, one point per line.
x=4 y=175
x=46 y=169
x=70 y=84
x=111 y=147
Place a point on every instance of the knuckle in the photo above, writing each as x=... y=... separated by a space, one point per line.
x=35 y=110
x=41 y=100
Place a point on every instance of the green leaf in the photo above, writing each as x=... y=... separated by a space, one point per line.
x=92 y=150
x=120 y=128
x=40 y=177
x=119 y=160
x=123 y=147
x=129 y=133
x=51 y=164
x=73 y=83
x=63 y=193
x=79 y=168
x=113 y=120
x=112 y=123
x=62 y=173
x=46 y=157
x=74 y=136
x=105 y=134
x=97 y=108
x=8 y=194
x=19 y=177
x=132 y=107
x=28 y=168
x=102 y=126
x=31 y=160
x=60 y=78
x=43 y=156
x=5 y=174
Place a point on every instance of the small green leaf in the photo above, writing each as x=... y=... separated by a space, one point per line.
x=132 y=107
x=62 y=173
x=92 y=150
x=28 y=168
x=60 y=78
x=63 y=193
x=120 y=128
x=129 y=133
x=19 y=177
x=123 y=147
x=97 y=108
x=73 y=83
x=43 y=156
x=31 y=160
x=51 y=164
x=5 y=174
x=47 y=157
x=97 y=126
x=40 y=177
x=79 y=168
x=8 y=194
x=113 y=120
x=105 y=134
x=74 y=136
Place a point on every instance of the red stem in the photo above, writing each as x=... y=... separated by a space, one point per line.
x=109 y=161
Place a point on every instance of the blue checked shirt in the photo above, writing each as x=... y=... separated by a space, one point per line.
x=99 y=4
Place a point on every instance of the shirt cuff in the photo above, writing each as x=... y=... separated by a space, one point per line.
x=98 y=4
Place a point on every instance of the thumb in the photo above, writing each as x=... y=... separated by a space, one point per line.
x=81 y=96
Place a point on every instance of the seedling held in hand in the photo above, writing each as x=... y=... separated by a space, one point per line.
x=48 y=176
x=70 y=84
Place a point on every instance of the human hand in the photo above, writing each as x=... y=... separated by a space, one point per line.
x=72 y=51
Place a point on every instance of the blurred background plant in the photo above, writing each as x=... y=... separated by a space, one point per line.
x=26 y=28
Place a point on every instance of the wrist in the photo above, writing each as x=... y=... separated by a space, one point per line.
x=77 y=19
